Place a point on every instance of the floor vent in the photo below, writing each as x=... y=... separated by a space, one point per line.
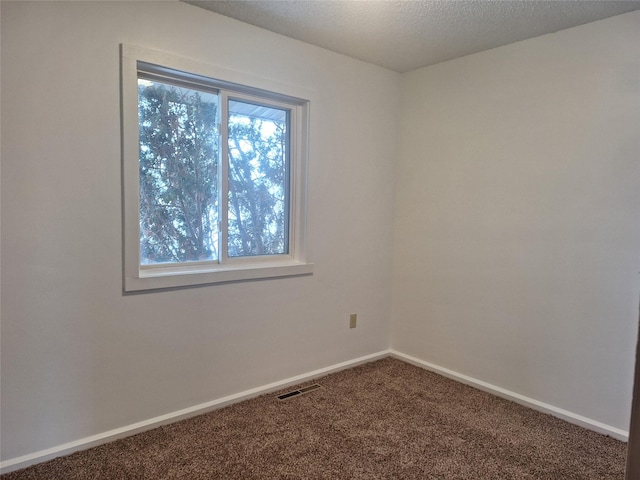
x=301 y=391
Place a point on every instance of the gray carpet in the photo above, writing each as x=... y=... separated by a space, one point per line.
x=383 y=420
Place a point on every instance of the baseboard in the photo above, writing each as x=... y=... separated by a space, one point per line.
x=111 y=435
x=570 y=417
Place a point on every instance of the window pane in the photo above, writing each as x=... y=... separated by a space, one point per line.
x=258 y=180
x=178 y=173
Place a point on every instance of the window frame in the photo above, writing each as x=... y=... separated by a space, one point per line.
x=231 y=85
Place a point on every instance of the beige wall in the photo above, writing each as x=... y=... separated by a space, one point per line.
x=517 y=226
x=78 y=357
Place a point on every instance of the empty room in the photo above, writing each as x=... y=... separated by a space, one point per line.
x=319 y=239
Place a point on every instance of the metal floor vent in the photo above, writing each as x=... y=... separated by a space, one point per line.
x=301 y=391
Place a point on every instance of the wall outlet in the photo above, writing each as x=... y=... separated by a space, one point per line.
x=353 y=319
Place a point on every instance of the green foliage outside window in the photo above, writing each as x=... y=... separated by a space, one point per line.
x=179 y=177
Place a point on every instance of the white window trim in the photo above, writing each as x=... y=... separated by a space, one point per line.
x=140 y=278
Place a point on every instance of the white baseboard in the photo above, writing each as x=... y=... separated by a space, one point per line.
x=111 y=435
x=570 y=417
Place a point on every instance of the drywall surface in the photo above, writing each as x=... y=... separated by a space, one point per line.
x=79 y=357
x=517 y=225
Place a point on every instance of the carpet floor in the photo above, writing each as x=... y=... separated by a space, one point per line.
x=383 y=420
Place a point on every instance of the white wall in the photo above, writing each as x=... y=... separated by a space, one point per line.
x=517 y=234
x=78 y=357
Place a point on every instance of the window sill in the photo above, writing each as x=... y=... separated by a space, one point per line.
x=154 y=279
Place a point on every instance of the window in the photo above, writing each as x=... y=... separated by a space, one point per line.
x=213 y=176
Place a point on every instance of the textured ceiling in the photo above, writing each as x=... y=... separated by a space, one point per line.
x=403 y=35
